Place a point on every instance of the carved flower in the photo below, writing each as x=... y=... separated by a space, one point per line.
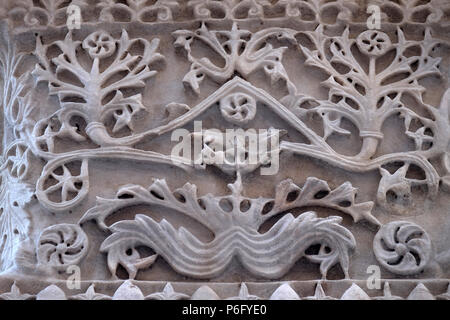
x=99 y=44
x=62 y=245
x=90 y=294
x=238 y=108
x=17 y=160
x=373 y=42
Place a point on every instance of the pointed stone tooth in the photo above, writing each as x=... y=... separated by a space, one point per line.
x=445 y=296
x=243 y=290
x=168 y=288
x=205 y=293
x=420 y=292
x=319 y=294
x=128 y=291
x=355 y=293
x=284 y=292
x=52 y=292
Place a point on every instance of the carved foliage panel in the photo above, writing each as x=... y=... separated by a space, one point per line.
x=94 y=173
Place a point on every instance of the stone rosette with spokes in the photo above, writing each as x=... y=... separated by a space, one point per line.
x=357 y=124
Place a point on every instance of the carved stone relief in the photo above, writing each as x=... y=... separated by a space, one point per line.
x=253 y=145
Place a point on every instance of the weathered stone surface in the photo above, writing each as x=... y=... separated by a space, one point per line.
x=119 y=181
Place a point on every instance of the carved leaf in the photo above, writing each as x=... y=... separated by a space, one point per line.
x=239 y=54
x=189 y=256
x=14 y=220
x=112 y=10
x=88 y=99
x=17 y=107
x=316 y=192
x=209 y=211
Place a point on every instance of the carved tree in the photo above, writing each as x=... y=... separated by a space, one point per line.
x=368 y=97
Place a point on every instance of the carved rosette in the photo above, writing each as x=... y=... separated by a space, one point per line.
x=402 y=247
x=62 y=245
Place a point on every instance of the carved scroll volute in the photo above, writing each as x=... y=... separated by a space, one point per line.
x=63 y=184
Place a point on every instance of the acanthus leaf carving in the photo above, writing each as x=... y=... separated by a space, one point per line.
x=128 y=291
x=387 y=294
x=17 y=106
x=17 y=160
x=319 y=294
x=39 y=13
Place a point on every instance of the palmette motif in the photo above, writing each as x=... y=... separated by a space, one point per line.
x=402 y=247
x=240 y=55
x=88 y=101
